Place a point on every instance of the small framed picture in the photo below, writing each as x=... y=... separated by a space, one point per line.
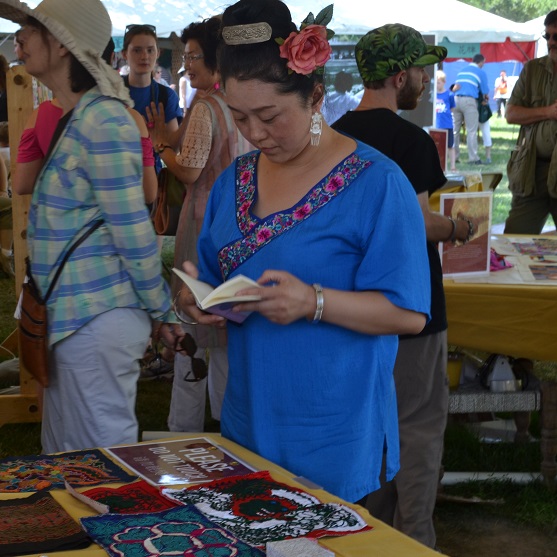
x=472 y=257
x=441 y=139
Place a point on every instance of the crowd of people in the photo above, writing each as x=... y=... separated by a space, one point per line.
x=339 y=372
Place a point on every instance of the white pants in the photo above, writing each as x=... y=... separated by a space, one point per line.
x=187 y=405
x=485 y=130
x=93 y=383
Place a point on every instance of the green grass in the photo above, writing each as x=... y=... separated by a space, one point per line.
x=529 y=504
x=465 y=453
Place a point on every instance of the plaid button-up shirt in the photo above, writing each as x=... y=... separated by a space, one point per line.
x=95 y=172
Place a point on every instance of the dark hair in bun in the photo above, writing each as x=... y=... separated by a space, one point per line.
x=262 y=61
x=206 y=33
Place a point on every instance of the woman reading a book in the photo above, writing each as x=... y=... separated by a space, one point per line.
x=322 y=222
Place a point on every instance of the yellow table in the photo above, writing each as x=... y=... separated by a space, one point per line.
x=514 y=320
x=382 y=540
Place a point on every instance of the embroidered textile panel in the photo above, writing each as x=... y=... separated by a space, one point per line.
x=178 y=531
x=46 y=472
x=259 y=509
x=38 y=524
x=137 y=497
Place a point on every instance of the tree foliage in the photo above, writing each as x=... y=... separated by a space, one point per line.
x=515 y=10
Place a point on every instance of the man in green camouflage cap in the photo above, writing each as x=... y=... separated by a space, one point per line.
x=391 y=61
x=393 y=48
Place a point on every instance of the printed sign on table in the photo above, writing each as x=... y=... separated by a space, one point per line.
x=185 y=461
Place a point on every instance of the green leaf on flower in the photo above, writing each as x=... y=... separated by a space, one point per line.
x=308 y=21
x=330 y=34
x=279 y=41
x=324 y=16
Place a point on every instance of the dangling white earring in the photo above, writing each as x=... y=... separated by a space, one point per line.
x=316 y=128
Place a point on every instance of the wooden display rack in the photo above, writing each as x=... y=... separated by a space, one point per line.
x=22 y=407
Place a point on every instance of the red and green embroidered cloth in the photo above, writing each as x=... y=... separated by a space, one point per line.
x=137 y=497
x=258 y=509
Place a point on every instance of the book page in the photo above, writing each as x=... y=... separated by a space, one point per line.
x=226 y=292
x=206 y=296
x=199 y=289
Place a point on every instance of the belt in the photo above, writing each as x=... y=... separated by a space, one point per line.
x=466 y=96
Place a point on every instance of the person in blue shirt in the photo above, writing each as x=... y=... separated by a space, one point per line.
x=141 y=52
x=444 y=105
x=332 y=231
x=472 y=82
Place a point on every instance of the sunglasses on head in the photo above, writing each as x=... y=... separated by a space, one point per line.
x=198 y=366
x=140 y=27
x=548 y=36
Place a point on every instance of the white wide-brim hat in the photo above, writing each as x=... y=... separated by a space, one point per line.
x=83 y=27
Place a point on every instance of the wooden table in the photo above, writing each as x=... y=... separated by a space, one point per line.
x=381 y=540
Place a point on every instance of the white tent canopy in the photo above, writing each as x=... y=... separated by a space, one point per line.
x=456 y=21
x=536 y=27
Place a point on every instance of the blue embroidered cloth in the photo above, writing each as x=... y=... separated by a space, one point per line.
x=179 y=531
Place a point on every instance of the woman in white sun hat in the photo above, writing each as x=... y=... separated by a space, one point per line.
x=110 y=290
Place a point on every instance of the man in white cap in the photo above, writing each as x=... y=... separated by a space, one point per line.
x=110 y=289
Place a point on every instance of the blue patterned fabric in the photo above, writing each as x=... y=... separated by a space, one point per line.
x=179 y=531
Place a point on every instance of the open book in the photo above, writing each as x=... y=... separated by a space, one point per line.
x=220 y=300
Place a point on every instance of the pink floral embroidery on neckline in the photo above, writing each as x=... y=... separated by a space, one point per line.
x=256 y=232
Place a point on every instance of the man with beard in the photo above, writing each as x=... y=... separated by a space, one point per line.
x=532 y=167
x=391 y=61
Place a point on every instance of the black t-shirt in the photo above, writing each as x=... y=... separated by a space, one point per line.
x=416 y=154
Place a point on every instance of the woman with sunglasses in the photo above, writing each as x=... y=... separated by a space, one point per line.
x=210 y=143
x=141 y=52
x=322 y=222
x=110 y=294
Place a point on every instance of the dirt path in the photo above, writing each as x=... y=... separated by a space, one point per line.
x=487 y=536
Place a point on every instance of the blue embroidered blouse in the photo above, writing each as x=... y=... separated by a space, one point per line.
x=319 y=399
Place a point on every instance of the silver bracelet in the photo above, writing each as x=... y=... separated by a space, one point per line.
x=320 y=302
x=179 y=314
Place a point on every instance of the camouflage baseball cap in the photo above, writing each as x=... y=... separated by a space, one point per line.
x=392 y=48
